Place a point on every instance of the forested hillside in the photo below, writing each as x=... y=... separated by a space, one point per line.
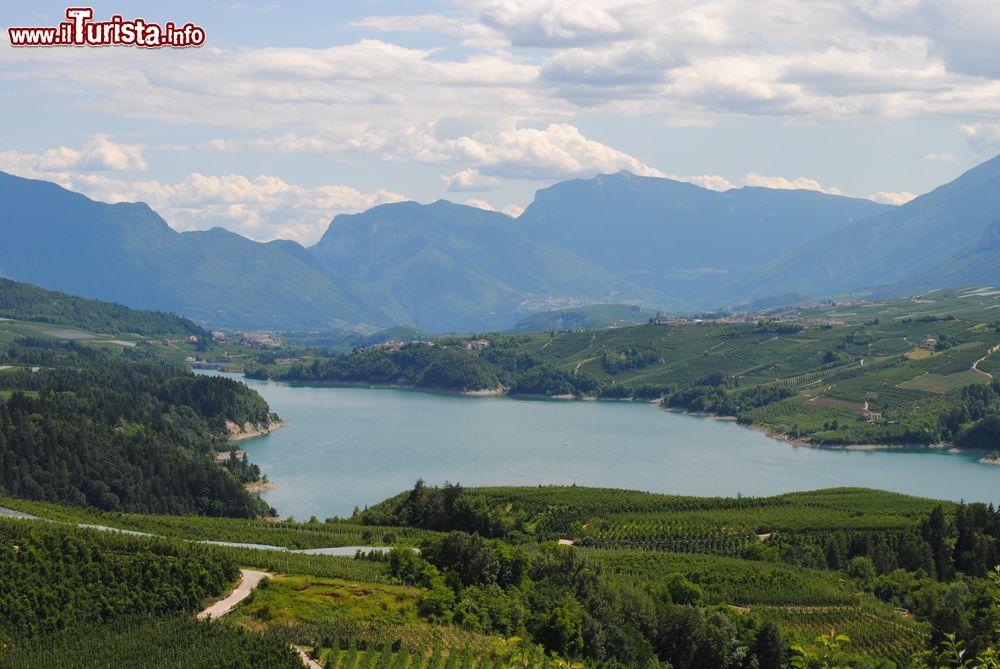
x=79 y=425
x=22 y=301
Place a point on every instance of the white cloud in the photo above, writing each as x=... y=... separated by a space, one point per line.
x=709 y=181
x=941 y=158
x=797 y=183
x=552 y=23
x=480 y=204
x=99 y=154
x=983 y=138
x=558 y=151
x=892 y=198
x=680 y=61
x=219 y=144
x=511 y=210
x=263 y=208
x=468 y=29
x=470 y=179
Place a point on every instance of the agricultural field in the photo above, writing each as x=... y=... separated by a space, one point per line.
x=272 y=532
x=874 y=630
x=730 y=581
x=743 y=560
x=287 y=600
x=173 y=643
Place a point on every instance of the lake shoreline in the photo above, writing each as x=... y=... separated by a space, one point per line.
x=336 y=453
x=251 y=431
x=763 y=429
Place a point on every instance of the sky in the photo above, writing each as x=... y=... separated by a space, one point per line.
x=294 y=112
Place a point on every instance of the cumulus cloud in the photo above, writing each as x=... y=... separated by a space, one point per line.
x=983 y=138
x=263 y=207
x=709 y=181
x=495 y=91
x=552 y=23
x=470 y=179
x=941 y=158
x=677 y=60
x=99 y=154
x=557 y=151
x=892 y=198
x=511 y=210
x=480 y=204
x=797 y=183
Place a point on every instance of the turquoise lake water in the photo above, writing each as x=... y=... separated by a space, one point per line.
x=356 y=446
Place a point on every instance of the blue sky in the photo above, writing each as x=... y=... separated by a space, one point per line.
x=295 y=112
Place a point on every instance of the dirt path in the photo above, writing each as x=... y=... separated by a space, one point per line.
x=306 y=660
x=975 y=365
x=249 y=578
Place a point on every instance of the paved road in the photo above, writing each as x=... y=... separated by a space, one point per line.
x=249 y=578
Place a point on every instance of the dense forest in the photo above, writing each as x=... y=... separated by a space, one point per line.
x=93 y=428
x=22 y=301
x=448 y=366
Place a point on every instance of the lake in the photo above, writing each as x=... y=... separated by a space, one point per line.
x=356 y=446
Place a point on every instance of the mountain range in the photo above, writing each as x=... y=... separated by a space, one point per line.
x=442 y=266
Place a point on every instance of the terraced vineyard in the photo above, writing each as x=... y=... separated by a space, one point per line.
x=875 y=631
x=385 y=659
x=730 y=581
x=732 y=562
x=286 y=533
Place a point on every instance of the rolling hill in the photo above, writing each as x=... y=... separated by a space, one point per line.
x=24 y=302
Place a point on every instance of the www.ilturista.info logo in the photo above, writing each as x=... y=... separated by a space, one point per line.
x=81 y=30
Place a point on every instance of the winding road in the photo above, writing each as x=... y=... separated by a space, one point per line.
x=975 y=365
x=249 y=578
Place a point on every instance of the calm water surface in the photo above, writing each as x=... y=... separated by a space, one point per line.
x=356 y=446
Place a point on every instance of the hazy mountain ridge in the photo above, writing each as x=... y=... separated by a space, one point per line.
x=127 y=253
x=455 y=267
x=680 y=238
x=443 y=266
x=922 y=243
